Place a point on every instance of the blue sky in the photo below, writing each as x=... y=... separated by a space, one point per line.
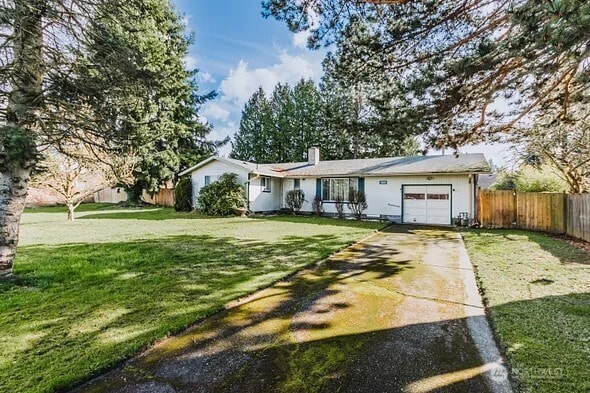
x=237 y=50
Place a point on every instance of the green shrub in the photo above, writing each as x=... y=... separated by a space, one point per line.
x=221 y=197
x=357 y=203
x=529 y=179
x=504 y=181
x=539 y=180
x=339 y=205
x=294 y=200
x=317 y=206
x=183 y=195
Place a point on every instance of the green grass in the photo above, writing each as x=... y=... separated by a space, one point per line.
x=537 y=290
x=91 y=293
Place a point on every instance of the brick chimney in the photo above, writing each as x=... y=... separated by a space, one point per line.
x=313 y=156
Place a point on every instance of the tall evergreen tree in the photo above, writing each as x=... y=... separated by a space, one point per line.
x=250 y=143
x=364 y=120
x=280 y=128
x=281 y=136
x=345 y=122
x=161 y=114
x=96 y=72
x=462 y=62
x=307 y=121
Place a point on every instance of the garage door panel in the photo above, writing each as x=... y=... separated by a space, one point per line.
x=427 y=204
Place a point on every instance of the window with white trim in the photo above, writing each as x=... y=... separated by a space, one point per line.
x=338 y=188
x=265 y=183
x=297 y=184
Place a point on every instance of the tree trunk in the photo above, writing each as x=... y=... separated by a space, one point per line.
x=71 y=211
x=18 y=136
x=13 y=191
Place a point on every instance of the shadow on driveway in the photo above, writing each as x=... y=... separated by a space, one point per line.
x=389 y=314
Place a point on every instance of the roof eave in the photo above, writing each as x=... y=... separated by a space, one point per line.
x=213 y=158
x=354 y=174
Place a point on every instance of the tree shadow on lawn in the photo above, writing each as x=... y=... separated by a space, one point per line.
x=560 y=249
x=547 y=341
x=257 y=348
x=78 y=309
x=262 y=321
x=324 y=220
x=312 y=333
x=149 y=213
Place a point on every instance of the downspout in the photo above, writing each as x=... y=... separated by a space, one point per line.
x=248 y=193
x=475 y=198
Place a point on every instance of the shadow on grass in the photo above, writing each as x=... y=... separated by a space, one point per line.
x=77 y=309
x=146 y=213
x=546 y=340
x=560 y=249
x=333 y=221
x=312 y=333
x=245 y=350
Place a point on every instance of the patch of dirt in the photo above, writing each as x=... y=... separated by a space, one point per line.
x=573 y=241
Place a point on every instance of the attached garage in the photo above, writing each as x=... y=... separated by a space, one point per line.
x=427 y=204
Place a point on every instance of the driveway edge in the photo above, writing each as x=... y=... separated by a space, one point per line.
x=497 y=375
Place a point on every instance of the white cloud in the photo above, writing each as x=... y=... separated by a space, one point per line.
x=206 y=77
x=300 y=39
x=220 y=132
x=214 y=111
x=191 y=62
x=313 y=18
x=242 y=81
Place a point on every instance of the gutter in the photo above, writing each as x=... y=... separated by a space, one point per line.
x=382 y=174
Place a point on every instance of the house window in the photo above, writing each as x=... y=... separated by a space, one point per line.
x=414 y=196
x=297 y=184
x=338 y=188
x=265 y=183
x=207 y=180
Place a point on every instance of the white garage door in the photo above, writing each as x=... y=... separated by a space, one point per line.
x=427 y=204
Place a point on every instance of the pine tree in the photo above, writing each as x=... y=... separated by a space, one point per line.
x=103 y=73
x=307 y=119
x=250 y=142
x=281 y=135
x=461 y=62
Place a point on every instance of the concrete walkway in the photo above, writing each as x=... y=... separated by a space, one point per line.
x=398 y=312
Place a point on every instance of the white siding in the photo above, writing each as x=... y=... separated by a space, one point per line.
x=307 y=185
x=214 y=169
x=386 y=199
x=380 y=196
x=382 y=199
x=261 y=201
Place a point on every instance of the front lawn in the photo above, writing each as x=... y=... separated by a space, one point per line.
x=89 y=294
x=537 y=290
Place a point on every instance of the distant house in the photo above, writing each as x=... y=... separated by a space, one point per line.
x=487 y=180
x=417 y=189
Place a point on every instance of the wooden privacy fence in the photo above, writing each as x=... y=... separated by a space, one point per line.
x=164 y=197
x=578 y=218
x=547 y=212
x=110 y=195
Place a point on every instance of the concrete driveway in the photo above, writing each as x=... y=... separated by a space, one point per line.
x=397 y=312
